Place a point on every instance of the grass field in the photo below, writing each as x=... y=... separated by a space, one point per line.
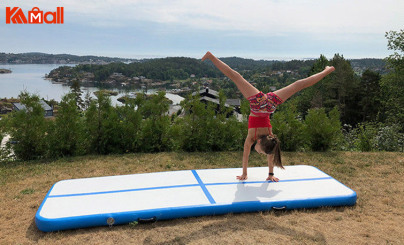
x=377 y=218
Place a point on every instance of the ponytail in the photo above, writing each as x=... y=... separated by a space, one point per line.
x=277 y=155
x=272 y=145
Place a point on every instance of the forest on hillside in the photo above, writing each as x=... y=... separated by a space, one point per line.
x=180 y=68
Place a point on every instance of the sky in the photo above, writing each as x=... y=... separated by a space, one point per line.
x=257 y=29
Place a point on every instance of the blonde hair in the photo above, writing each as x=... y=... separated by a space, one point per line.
x=270 y=144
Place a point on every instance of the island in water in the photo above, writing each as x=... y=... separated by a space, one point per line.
x=4 y=71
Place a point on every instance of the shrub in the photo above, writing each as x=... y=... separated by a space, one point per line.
x=349 y=138
x=323 y=132
x=289 y=128
x=154 y=134
x=66 y=134
x=129 y=126
x=156 y=123
x=102 y=126
x=175 y=134
x=205 y=127
x=28 y=128
x=194 y=125
x=389 y=138
x=365 y=137
x=372 y=136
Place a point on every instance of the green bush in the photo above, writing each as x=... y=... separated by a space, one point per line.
x=372 y=136
x=194 y=134
x=129 y=126
x=323 y=132
x=66 y=133
x=233 y=134
x=365 y=137
x=389 y=138
x=289 y=128
x=28 y=128
x=155 y=134
x=102 y=126
x=143 y=125
x=156 y=123
x=205 y=127
x=349 y=138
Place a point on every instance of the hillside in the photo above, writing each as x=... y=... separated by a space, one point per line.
x=170 y=68
x=42 y=58
x=165 y=69
x=237 y=63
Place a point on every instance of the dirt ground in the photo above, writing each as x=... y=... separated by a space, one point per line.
x=377 y=218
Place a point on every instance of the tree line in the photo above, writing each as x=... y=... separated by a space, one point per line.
x=159 y=69
x=42 y=58
x=181 y=68
x=143 y=125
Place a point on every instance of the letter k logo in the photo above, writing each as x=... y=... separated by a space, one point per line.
x=15 y=15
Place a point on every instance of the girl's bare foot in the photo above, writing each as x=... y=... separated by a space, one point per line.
x=206 y=56
x=329 y=69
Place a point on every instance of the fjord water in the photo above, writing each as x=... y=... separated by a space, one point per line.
x=31 y=78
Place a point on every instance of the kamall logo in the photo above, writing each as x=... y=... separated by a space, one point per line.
x=35 y=16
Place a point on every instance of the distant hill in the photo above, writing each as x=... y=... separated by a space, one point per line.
x=246 y=64
x=360 y=65
x=181 y=67
x=159 y=69
x=240 y=64
x=42 y=58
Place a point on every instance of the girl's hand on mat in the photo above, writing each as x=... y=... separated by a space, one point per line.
x=242 y=177
x=272 y=178
x=206 y=56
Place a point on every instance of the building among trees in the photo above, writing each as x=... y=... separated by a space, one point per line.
x=48 y=109
x=211 y=96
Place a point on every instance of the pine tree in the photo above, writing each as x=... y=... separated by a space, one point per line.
x=76 y=90
x=392 y=84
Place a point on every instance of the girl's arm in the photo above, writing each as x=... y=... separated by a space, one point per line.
x=247 y=148
x=270 y=158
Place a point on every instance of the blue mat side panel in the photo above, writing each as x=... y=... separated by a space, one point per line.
x=48 y=225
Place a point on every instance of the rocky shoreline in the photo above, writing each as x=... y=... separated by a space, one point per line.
x=5 y=71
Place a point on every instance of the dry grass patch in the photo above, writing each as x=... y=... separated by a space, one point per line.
x=376 y=219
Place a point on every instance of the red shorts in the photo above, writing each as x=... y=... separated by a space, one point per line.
x=259 y=122
x=264 y=104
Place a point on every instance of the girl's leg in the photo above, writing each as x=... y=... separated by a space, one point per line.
x=286 y=92
x=245 y=87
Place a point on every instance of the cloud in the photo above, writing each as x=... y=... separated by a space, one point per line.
x=278 y=27
x=261 y=17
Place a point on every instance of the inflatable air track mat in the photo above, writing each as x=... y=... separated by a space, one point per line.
x=78 y=203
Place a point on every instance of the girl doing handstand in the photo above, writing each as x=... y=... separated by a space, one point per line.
x=262 y=105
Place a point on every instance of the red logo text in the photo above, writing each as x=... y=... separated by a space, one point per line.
x=35 y=16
